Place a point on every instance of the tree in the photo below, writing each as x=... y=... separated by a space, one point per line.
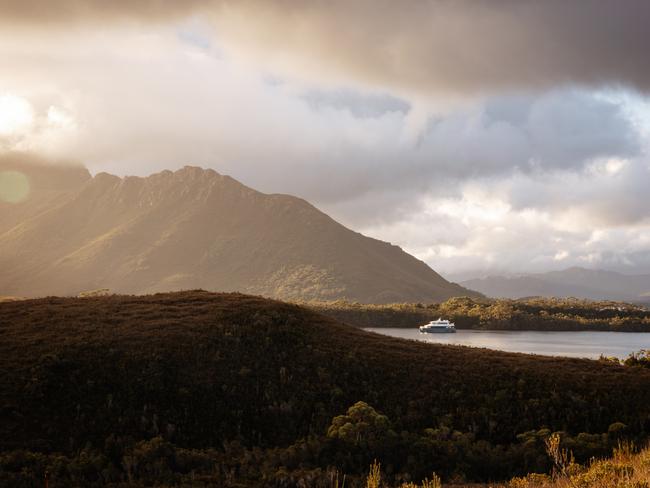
x=362 y=426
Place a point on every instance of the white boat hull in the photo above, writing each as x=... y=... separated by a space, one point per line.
x=440 y=330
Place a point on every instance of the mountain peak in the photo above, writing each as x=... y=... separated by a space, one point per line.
x=190 y=172
x=195 y=228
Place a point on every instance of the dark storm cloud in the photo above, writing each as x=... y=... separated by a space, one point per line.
x=438 y=46
x=452 y=46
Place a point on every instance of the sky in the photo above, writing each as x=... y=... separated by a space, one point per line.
x=484 y=137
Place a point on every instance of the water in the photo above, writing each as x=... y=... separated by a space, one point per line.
x=573 y=344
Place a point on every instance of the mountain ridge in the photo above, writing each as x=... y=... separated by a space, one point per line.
x=195 y=228
x=575 y=281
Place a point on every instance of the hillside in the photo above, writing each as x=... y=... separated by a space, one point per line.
x=238 y=389
x=195 y=228
x=571 y=282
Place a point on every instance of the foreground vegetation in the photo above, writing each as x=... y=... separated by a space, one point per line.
x=625 y=469
x=552 y=314
x=201 y=389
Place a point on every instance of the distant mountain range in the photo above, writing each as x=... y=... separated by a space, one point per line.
x=188 y=229
x=572 y=282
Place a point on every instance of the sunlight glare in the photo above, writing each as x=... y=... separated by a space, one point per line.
x=14 y=186
x=16 y=113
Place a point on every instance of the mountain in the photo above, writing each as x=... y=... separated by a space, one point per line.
x=119 y=380
x=572 y=282
x=195 y=228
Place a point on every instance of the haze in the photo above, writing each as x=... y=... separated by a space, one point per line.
x=486 y=136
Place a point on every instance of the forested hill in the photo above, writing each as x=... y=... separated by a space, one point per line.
x=158 y=379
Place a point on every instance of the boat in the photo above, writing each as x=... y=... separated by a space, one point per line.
x=437 y=326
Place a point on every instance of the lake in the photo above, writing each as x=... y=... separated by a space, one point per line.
x=573 y=344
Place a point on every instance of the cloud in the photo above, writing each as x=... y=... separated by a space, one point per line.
x=608 y=193
x=516 y=179
x=120 y=109
x=415 y=48
x=482 y=232
x=15 y=115
x=58 y=12
x=457 y=47
x=134 y=101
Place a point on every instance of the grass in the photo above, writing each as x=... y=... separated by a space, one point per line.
x=373 y=480
x=625 y=469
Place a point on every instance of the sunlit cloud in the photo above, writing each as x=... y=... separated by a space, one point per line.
x=539 y=166
x=16 y=115
x=58 y=117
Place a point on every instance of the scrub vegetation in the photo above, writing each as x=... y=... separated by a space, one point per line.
x=626 y=468
x=552 y=314
x=203 y=389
